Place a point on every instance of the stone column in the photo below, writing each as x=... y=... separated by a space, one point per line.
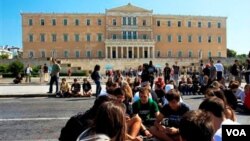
x=106 y=52
x=148 y=52
x=153 y=52
x=127 y=51
x=111 y=53
x=143 y=52
x=121 y=51
x=132 y=52
x=138 y=54
x=116 y=52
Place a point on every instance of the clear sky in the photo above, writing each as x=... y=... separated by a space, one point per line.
x=237 y=11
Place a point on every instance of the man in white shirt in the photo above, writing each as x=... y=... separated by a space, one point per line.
x=28 y=71
x=219 y=69
x=216 y=107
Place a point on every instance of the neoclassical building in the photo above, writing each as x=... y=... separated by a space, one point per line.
x=122 y=32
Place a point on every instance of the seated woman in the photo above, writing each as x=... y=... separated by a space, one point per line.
x=64 y=89
x=86 y=87
x=109 y=121
x=173 y=111
x=18 y=79
x=183 y=86
x=189 y=86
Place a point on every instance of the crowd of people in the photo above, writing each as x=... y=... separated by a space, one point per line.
x=154 y=109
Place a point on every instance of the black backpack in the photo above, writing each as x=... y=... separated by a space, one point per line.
x=93 y=75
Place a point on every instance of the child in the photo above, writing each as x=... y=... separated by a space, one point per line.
x=86 y=87
x=64 y=89
x=76 y=88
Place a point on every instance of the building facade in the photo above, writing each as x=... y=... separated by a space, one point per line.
x=123 y=32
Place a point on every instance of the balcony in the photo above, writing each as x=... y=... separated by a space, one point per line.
x=128 y=27
x=129 y=42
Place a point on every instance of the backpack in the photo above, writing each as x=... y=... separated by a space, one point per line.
x=93 y=75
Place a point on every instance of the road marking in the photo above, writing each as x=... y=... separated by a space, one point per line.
x=35 y=119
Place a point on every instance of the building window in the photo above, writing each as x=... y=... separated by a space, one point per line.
x=65 y=22
x=77 y=37
x=199 y=39
x=88 y=37
x=144 y=36
x=53 y=22
x=219 y=25
x=199 y=24
x=124 y=35
x=134 y=21
x=179 y=23
x=66 y=54
x=209 y=54
x=158 y=23
x=134 y=35
x=169 y=53
x=99 y=22
x=129 y=35
x=189 y=38
x=189 y=23
x=114 y=22
x=219 y=54
x=53 y=37
x=219 y=39
x=30 y=22
x=77 y=54
x=129 y=20
x=43 y=54
x=169 y=38
x=65 y=37
x=158 y=54
x=124 y=20
x=77 y=22
x=209 y=25
x=88 y=22
x=113 y=36
x=42 y=22
x=144 y=22
x=99 y=37
x=30 y=37
x=158 y=38
x=209 y=39
x=180 y=54
x=169 y=23
x=179 y=38
x=42 y=37
x=88 y=54
x=190 y=54
x=99 y=54
x=31 y=54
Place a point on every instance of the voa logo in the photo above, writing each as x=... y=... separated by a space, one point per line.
x=236 y=132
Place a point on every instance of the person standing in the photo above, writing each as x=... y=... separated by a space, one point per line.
x=28 y=71
x=54 y=75
x=152 y=71
x=212 y=76
x=41 y=74
x=247 y=72
x=96 y=77
x=235 y=71
x=219 y=69
x=167 y=71
x=176 y=69
x=46 y=72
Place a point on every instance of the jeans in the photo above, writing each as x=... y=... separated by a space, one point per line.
x=52 y=80
x=98 y=87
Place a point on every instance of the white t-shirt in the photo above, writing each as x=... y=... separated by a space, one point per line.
x=219 y=67
x=28 y=70
x=218 y=133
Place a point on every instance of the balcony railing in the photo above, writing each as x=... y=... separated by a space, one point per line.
x=129 y=40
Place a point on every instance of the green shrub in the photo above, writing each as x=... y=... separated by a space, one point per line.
x=82 y=73
x=16 y=67
x=3 y=68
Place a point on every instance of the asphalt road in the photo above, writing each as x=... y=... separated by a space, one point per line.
x=39 y=119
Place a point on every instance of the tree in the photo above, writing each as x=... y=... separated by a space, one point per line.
x=16 y=67
x=4 y=56
x=231 y=53
x=249 y=54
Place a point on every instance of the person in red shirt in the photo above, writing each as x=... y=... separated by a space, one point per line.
x=247 y=98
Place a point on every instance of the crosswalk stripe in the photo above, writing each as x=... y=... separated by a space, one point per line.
x=35 y=119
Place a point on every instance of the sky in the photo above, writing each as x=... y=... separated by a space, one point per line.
x=236 y=11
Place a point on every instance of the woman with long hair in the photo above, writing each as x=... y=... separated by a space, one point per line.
x=97 y=79
x=110 y=121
